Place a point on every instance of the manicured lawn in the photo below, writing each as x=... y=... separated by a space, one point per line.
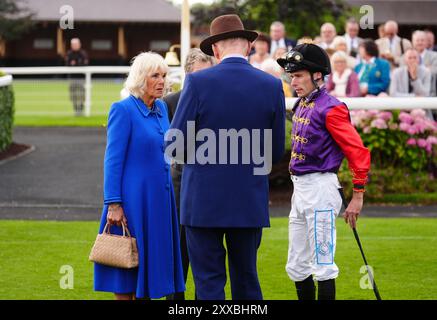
x=47 y=102
x=400 y=250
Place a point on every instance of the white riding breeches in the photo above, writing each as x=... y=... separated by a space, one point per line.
x=315 y=204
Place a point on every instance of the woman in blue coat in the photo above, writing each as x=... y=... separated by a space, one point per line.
x=138 y=188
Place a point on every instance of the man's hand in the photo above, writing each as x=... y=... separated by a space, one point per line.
x=354 y=208
x=116 y=215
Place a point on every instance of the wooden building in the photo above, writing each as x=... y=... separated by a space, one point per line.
x=111 y=31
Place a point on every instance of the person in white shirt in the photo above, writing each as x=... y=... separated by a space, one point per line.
x=351 y=35
x=278 y=39
x=412 y=79
x=431 y=40
x=327 y=34
x=392 y=47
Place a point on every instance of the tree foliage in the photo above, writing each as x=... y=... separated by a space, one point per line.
x=15 y=19
x=301 y=18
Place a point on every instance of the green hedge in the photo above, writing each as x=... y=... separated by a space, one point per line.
x=6 y=115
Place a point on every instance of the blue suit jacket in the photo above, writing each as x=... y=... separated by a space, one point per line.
x=379 y=76
x=230 y=95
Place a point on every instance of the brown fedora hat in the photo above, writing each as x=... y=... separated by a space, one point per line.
x=225 y=27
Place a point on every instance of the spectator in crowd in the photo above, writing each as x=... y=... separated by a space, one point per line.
x=196 y=61
x=343 y=81
x=261 y=51
x=272 y=67
x=77 y=57
x=278 y=37
x=381 y=33
x=340 y=44
x=412 y=79
x=327 y=35
x=352 y=29
x=427 y=58
x=391 y=47
x=138 y=191
x=431 y=40
x=279 y=53
x=373 y=72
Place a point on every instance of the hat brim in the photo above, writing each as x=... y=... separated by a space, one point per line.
x=206 y=45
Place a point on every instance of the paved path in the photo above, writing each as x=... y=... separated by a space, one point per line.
x=62 y=179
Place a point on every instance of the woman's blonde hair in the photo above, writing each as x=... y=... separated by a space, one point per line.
x=143 y=65
x=339 y=55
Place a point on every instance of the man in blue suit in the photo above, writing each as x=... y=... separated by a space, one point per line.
x=226 y=197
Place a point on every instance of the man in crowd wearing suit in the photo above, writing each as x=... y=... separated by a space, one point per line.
x=431 y=40
x=392 y=47
x=226 y=197
x=196 y=61
x=412 y=79
x=351 y=35
x=278 y=39
x=427 y=58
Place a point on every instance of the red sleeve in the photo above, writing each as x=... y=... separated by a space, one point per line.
x=343 y=132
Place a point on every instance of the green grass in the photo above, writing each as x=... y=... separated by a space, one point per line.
x=32 y=253
x=47 y=103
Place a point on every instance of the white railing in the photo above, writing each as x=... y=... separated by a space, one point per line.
x=175 y=75
x=5 y=80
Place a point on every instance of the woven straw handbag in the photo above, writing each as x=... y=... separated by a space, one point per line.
x=114 y=250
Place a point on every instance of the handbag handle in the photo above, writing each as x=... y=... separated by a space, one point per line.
x=107 y=227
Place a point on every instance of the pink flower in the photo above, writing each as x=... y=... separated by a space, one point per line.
x=393 y=126
x=372 y=112
x=366 y=129
x=412 y=130
x=405 y=117
x=418 y=113
x=379 y=124
x=431 y=140
x=421 y=143
x=411 y=142
x=420 y=126
x=385 y=115
x=404 y=126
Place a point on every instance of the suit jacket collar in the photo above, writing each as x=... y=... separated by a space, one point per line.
x=234 y=60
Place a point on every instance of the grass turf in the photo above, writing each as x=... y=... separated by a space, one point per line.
x=47 y=103
x=32 y=253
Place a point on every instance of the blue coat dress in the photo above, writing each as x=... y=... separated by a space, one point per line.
x=137 y=174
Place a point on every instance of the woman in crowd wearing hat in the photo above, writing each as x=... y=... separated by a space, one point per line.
x=138 y=189
x=322 y=136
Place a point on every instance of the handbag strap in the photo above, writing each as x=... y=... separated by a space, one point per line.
x=107 y=230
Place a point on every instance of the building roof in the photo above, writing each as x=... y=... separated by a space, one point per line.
x=418 y=12
x=106 y=10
